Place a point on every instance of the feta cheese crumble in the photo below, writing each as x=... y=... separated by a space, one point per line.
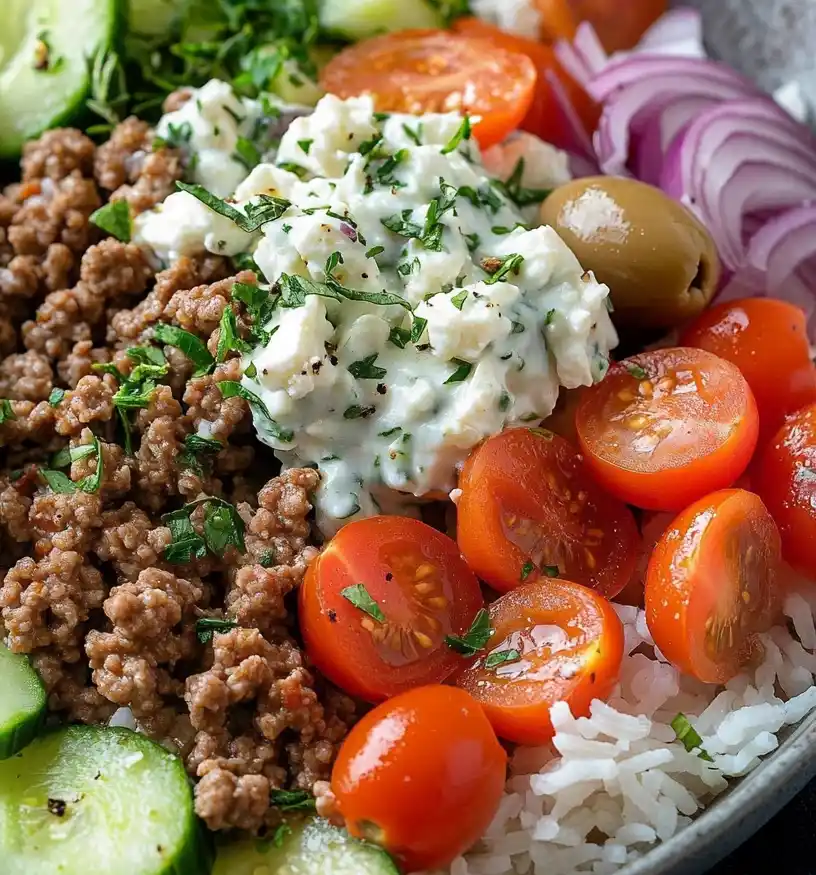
x=412 y=312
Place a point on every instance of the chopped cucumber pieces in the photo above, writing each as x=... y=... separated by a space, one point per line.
x=311 y=847
x=45 y=74
x=98 y=801
x=360 y=19
x=22 y=703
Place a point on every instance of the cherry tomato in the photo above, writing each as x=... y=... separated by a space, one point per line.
x=530 y=509
x=785 y=478
x=418 y=71
x=558 y=21
x=562 y=419
x=377 y=603
x=767 y=340
x=545 y=118
x=619 y=25
x=666 y=427
x=712 y=584
x=553 y=641
x=421 y=775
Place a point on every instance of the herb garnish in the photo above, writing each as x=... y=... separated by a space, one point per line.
x=365 y=369
x=192 y=346
x=526 y=570
x=115 y=218
x=56 y=396
x=232 y=389
x=265 y=209
x=247 y=153
x=418 y=328
x=292 y=800
x=637 y=372
x=458 y=300
x=689 y=737
x=222 y=527
x=57 y=481
x=197 y=450
x=461 y=373
x=229 y=340
x=475 y=639
x=294 y=290
x=358 y=412
x=498 y=271
x=501 y=657
x=358 y=595
x=206 y=627
x=521 y=196
x=464 y=133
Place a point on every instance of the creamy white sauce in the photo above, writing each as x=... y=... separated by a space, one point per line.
x=388 y=419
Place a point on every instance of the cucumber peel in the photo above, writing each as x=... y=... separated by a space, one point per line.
x=22 y=703
x=92 y=800
x=45 y=73
x=360 y=19
x=309 y=847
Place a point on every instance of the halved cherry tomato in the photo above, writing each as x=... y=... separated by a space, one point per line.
x=545 y=118
x=418 y=71
x=767 y=340
x=785 y=478
x=529 y=508
x=421 y=775
x=553 y=641
x=558 y=21
x=562 y=419
x=619 y=25
x=712 y=585
x=421 y=590
x=666 y=427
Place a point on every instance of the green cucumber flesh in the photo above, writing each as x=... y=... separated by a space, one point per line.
x=313 y=847
x=92 y=800
x=360 y=19
x=153 y=17
x=62 y=35
x=22 y=703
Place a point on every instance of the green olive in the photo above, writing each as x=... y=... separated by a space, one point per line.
x=658 y=260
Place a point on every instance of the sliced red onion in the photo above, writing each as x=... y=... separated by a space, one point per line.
x=581 y=140
x=678 y=32
x=737 y=159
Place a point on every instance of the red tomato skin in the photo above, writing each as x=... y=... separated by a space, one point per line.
x=423 y=774
x=767 y=340
x=782 y=479
x=333 y=629
x=527 y=720
x=506 y=476
x=619 y=25
x=672 y=489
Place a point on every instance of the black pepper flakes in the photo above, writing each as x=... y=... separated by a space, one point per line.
x=382 y=388
x=333 y=360
x=389 y=576
x=332 y=615
x=57 y=807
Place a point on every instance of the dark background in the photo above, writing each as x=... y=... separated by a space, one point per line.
x=786 y=846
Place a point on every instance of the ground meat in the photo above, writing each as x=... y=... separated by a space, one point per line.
x=59 y=324
x=45 y=602
x=129 y=541
x=112 y=268
x=57 y=154
x=116 y=468
x=200 y=309
x=14 y=508
x=66 y=521
x=153 y=623
x=79 y=362
x=222 y=416
x=70 y=689
x=157 y=177
x=91 y=401
x=58 y=267
x=162 y=443
x=114 y=164
x=26 y=376
x=57 y=213
x=22 y=277
x=31 y=422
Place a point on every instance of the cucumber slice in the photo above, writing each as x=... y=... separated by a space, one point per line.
x=360 y=19
x=291 y=85
x=63 y=34
x=153 y=17
x=313 y=847
x=92 y=800
x=22 y=703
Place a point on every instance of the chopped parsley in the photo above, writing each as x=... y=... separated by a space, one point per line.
x=458 y=300
x=247 y=153
x=521 y=196
x=57 y=481
x=637 y=371
x=265 y=209
x=550 y=570
x=115 y=218
x=499 y=268
x=418 y=328
x=374 y=251
x=358 y=595
x=93 y=481
x=526 y=570
x=56 y=396
x=192 y=346
x=260 y=304
x=365 y=369
x=187 y=544
x=222 y=527
x=461 y=373
x=229 y=340
x=689 y=737
x=64 y=457
x=475 y=639
x=294 y=290
x=501 y=657
x=292 y=800
x=197 y=451
x=358 y=412
x=233 y=389
x=415 y=136
x=400 y=337
x=206 y=627
x=305 y=145
x=464 y=133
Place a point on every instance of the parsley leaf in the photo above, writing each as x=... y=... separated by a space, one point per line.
x=688 y=736
x=464 y=133
x=526 y=570
x=197 y=447
x=359 y=597
x=475 y=639
x=115 y=218
x=399 y=337
x=418 y=328
x=550 y=570
x=223 y=527
x=57 y=481
x=232 y=389
x=294 y=290
x=92 y=482
x=501 y=657
x=358 y=412
x=458 y=300
x=206 y=627
x=192 y=346
x=500 y=268
x=637 y=372
x=228 y=338
x=257 y=213
x=366 y=369
x=147 y=355
x=247 y=153
x=56 y=396
x=461 y=373
x=292 y=800
x=187 y=543
x=521 y=196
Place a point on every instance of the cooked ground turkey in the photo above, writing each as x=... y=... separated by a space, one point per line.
x=87 y=589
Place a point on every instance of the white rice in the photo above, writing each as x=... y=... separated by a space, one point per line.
x=613 y=784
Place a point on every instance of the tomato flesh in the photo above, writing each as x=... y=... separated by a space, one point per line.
x=666 y=427
x=569 y=644
x=545 y=117
x=420 y=71
x=421 y=775
x=529 y=509
x=619 y=25
x=767 y=340
x=712 y=584
x=420 y=584
x=785 y=478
